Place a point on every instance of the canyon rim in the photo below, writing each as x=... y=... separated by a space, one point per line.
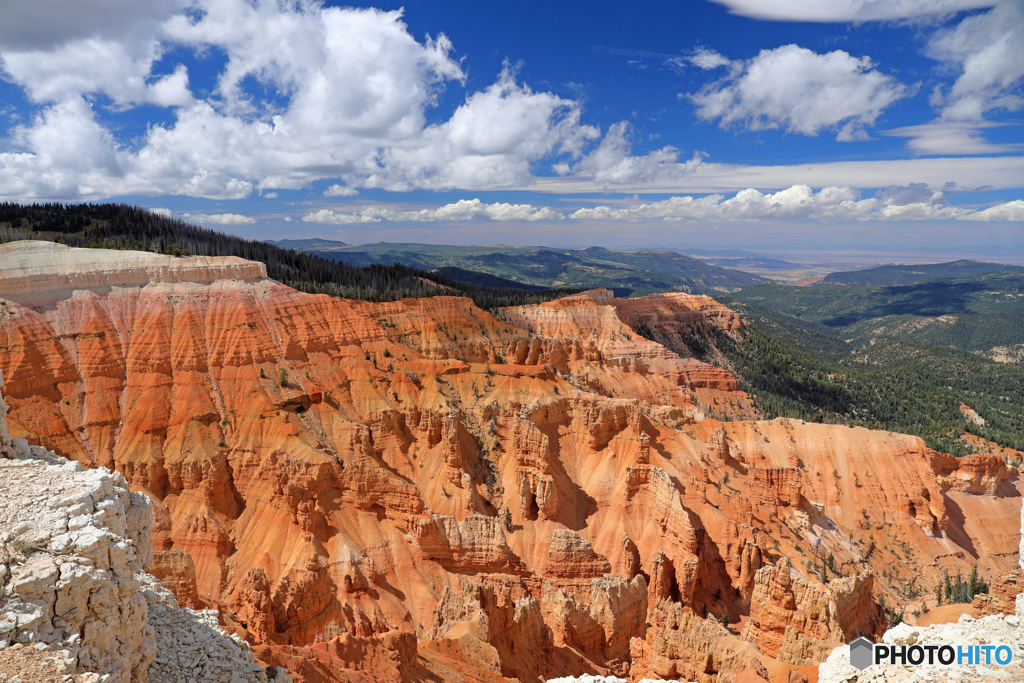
x=424 y=490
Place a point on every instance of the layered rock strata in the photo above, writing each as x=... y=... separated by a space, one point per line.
x=358 y=487
x=74 y=545
x=42 y=272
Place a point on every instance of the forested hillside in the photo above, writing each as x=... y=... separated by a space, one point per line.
x=628 y=273
x=797 y=369
x=905 y=275
x=972 y=313
x=120 y=226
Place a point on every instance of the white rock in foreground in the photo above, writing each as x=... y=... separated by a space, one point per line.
x=74 y=546
x=35 y=272
x=991 y=630
x=587 y=678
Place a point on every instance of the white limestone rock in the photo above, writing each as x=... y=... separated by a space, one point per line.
x=45 y=271
x=991 y=630
x=74 y=547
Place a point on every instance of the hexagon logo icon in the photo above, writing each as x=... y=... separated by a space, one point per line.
x=862 y=653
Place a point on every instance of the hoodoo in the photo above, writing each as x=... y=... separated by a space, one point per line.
x=424 y=490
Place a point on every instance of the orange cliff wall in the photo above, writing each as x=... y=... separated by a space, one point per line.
x=474 y=482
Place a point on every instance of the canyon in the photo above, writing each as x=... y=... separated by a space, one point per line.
x=424 y=490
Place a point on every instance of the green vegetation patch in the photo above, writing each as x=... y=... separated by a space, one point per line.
x=806 y=371
x=626 y=272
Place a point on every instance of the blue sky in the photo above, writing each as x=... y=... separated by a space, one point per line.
x=767 y=125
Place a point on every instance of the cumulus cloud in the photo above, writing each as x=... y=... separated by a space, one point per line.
x=462 y=210
x=984 y=50
x=1010 y=211
x=340 y=191
x=613 y=163
x=794 y=203
x=849 y=10
x=119 y=70
x=987 y=52
x=801 y=91
x=219 y=218
x=343 y=93
x=490 y=140
x=67 y=154
x=915 y=201
x=160 y=211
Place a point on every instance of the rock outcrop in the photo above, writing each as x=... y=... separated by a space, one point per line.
x=43 y=272
x=995 y=630
x=328 y=474
x=74 y=545
x=799 y=621
x=1001 y=597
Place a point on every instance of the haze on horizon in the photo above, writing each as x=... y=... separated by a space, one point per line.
x=785 y=127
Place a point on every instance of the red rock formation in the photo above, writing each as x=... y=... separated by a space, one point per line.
x=680 y=645
x=336 y=471
x=176 y=571
x=1001 y=597
x=976 y=473
x=799 y=621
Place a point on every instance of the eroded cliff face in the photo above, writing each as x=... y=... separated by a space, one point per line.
x=75 y=601
x=382 y=491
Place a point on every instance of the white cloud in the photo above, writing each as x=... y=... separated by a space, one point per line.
x=343 y=94
x=67 y=154
x=612 y=162
x=708 y=59
x=848 y=10
x=984 y=50
x=160 y=211
x=367 y=215
x=462 y=210
x=987 y=52
x=1010 y=211
x=490 y=141
x=950 y=137
x=799 y=202
x=119 y=70
x=957 y=173
x=340 y=191
x=270 y=195
x=794 y=203
x=219 y=218
x=801 y=91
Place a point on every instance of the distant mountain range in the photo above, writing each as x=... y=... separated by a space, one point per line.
x=907 y=275
x=627 y=272
x=973 y=313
